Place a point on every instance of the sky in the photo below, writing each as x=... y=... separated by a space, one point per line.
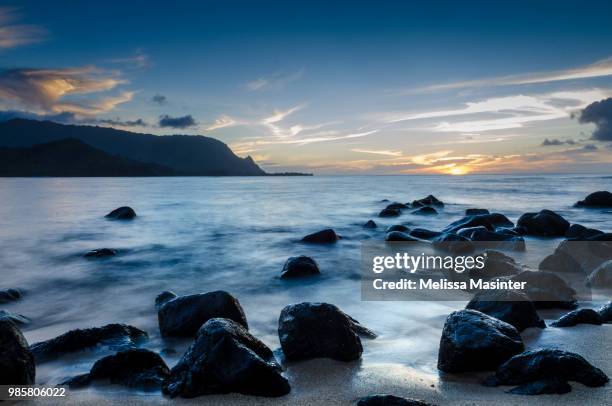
x=384 y=87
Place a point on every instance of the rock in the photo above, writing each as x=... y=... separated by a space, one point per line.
x=580 y=316
x=389 y=400
x=389 y=213
x=226 y=358
x=560 y=261
x=453 y=243
x=425 y=211
x=101 y=253
x=547 y=290
x=467 y=232
x=469 y=222
x=398 y=227
x=605 y=312
x=297 y=267
x=473 y=341
x=396 y=206
x=184 y=315
x=384 y=201
x=111 y=335
x=546 y=223
x=543 y=387
x=496 y=264
x=9 y=295
x=16 y=359
x=15 y=318
x=164 y=297
x=326 y=236
x=399 y=236
x=507 y=231
x=475 y=212
x=601 y=277
x=427 y=201
x=122 y=213
x=510 y=306
x=370 y=224
x=596 y=199
x=424 y=234
x=549 y=363
x=319 y=330
x=134 y=368
x=579 y=232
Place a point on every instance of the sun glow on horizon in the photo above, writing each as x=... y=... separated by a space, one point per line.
x=458 y=170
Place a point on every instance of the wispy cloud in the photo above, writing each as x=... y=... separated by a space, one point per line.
x=274 y=81
x=138 y=60
x=378 y=152
x=13 y=34
x=222 y=122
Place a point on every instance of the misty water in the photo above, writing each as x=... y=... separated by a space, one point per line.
x=202 y=234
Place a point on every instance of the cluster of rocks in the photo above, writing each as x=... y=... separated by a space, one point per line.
x=425 y=206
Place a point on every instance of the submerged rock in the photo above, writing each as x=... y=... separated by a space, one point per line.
x=549 y=363
x=122 y=213
x=510 y=306
x=389 y=400
x=398 y=227
x=164 y=297
x=475 y=212
x=226 y=358
x=101 y=253
x=301 y=266
x=601 y=277
x=543 y=386
x=9 y=295
x=111 y=335
x=601 y=198
x=425 y=211
x=134 y=368
x=430 y=200
x=319 y=330
x=14 y=317
x=605 y=312
x=546 y=223
x=370 y=224
x=547 y=290
x=16 y=359
x=389 y=213
x=474 y=341
x=580 y=316
x=399 y=236
x=184 y=315
x=326 y=236
x=396 y=206
x=424 y=234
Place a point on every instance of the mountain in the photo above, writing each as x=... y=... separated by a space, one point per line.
x=71 y=157
x=184 y=154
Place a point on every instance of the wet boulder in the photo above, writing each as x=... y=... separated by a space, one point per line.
x=547 y=290
x=164 y=297
x=297 y=267
x=14 y=317
x=16 y=359
x=424 y=234
x=579 y=232
x=390 y=400
x=9 y=295
x=605 y=312
x=601 y=277
x=135 y=368
x=453 y=243
x=184 y=315
x=370 y=224
x=226 y=358
x=475 y=212
x=122 y=213
x=430 y=200
x=327 y=236
x=469 y=222
x=101 y=253
x=549 y=363
x=580 y=316
x=397 y=206
x=389 y=213
x=425 y=211
x=546 y=223
x=545 y=386
x=319 y=330
x=601 y=198
x=510 y=306
x=398 y=227
x=399 y=236
x=110 y=335
x=496 y=264
x=474 y=341
x=561 y=261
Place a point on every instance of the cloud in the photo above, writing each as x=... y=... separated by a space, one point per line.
x=124 y=123
x=378 y=152
x=280 y=115
x=600 y=114
x=274 y=81
x=159 y=99
x=138 y=60
x=45 y=90
x=554 y=142
x=222 y=122
x=597 y=69
x=177 y=122
x=590 y=147
x=13 y=35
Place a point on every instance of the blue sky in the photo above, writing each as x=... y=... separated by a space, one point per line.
x=348 y=87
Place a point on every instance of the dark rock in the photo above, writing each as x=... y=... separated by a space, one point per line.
x=473 y=341
x=399 y=236
x=184 y=315
x=326 y=236
x=9 y=295
x=475 y=212
x=164 y=297
x=425 y=211
x=542 y=387
x=389 y=400
x=427 y=201
x=370 y=224
x=16 y=360
x=389 y=213
x=398 y=227
x=15 y=318
x=396 y=206
x=453 y=243
x=101 y=253
x=122 y=213
x=319 y=330
x=546 y=223
x=467 y=232
x=301 y=266
x=547 y=290
x=605 y=312
x=225 y=358
x=549 y=363
x=560 y=261
x=469 y=222
x=507 y=231
x=384 y=201
x=134 y=368
x=601 y=277
x=424 y=234
x=496 y=264
x=110 y=335
x=580 y=316
x=596 y=199
x=579 y=232
x=510 y=306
